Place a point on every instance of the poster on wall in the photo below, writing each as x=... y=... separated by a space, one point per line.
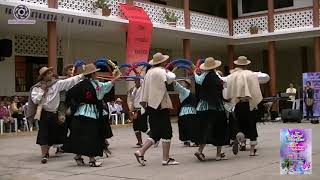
x=311 y=90
x=295 y=151
x=139 y=33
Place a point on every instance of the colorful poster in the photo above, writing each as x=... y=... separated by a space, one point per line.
x=139 y=33
x=314 y=80
x=295 y=151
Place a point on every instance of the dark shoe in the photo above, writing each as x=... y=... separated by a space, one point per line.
x=139 y=145
x=44 y=159
x=201 y=157
x=187 y=144
x=79 y=161
x=140 y=158
x=243 y=148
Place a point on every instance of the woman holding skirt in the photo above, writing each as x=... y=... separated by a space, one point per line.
x=213 y=127
x=187 y=111
x=88 y=129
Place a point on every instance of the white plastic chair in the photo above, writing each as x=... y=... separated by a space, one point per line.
x=114 y=117
x=122 y=118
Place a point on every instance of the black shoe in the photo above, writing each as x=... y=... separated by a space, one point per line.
x=243 y=148
x=187 y=144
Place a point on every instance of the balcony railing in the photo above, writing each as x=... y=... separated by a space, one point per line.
x=283 y=20
x=242 y=26
x=156 y=15
x=204 y=22
x=293 y=19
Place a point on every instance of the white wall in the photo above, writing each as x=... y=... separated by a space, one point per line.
x=296 y=4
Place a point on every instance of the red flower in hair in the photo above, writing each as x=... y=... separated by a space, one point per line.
x=89 y=95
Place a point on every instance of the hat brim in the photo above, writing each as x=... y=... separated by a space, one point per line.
x=184 y=80
x=90 y=72
x=205 y=68
x=242 y=64
x=44 y=72
x=165 y=58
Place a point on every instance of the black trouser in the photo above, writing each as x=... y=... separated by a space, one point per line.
x=309 y=110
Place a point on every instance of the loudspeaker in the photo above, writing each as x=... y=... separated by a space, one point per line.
x=291 y=115
x=5 y=48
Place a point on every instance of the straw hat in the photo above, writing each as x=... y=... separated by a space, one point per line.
x=158 y=58
x=210 y=63
x=43 y=71
x=188 y=81
x=242 y=61
x=89 y=69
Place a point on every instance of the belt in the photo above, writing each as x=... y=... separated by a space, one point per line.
x=244 y=99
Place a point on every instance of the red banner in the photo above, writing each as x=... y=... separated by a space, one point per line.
x=139 y=33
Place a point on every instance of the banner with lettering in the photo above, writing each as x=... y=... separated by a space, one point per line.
x=313 y=79
x=295 y=151
x=139 y=33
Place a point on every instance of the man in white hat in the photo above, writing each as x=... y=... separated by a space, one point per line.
x=156 y=100
x=243 y=90
x=47 y=93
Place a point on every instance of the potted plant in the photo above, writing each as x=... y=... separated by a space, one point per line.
x=170 y=18
x=102 y=5
x=254 y=29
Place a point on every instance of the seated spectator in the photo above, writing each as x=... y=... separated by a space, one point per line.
x=5 y=115
x=112 y=107
x=17 y=111
x=291 y=91
x=118 y=106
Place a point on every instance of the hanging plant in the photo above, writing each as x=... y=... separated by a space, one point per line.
x=170 y=17
x=103 y=5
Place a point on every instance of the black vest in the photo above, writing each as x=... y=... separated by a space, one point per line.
x=211 y=90
x=83 y=93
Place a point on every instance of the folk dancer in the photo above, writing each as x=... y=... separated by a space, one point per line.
x=156 y=100
x=136 y=113
x=47 y=93
x=243 y=90
x=88 y=128
x=213 y=127
x=187 y=114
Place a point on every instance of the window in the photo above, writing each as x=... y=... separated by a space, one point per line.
x=159 y=2
x=249 y=6
x=27 y=70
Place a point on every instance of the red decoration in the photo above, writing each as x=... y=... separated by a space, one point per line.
x=139 y=33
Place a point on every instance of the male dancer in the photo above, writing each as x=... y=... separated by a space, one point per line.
x=136 y=112
x=156 y=99
x=243 y=90
x=47 y=93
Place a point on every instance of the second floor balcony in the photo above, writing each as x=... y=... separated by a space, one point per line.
x=300 y=19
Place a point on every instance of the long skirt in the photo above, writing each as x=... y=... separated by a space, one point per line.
x=87 y=136
x=186 y=123
x=109 y=133
x=246 y=120
x=212 y=128
x=50 y=132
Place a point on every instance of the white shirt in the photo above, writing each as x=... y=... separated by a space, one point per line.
x=118 y=107
x=52 y=97
x=112 y=108
x=291 y=91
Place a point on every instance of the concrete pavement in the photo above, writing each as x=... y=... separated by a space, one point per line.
x=20 y=160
